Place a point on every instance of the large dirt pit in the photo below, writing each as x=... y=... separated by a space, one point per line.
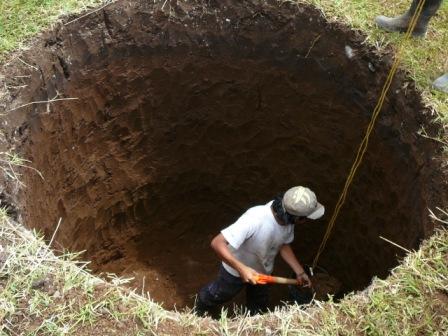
x=189 y=113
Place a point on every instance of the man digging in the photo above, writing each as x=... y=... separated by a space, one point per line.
x=248 y=248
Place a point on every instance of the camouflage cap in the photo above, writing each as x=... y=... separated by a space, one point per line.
x=301 y=201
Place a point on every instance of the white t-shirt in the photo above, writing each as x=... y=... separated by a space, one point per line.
x=256 y=238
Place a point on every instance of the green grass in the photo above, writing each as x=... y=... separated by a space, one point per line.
x=21 y=19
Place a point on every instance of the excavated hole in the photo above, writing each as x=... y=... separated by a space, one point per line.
x=188 y=116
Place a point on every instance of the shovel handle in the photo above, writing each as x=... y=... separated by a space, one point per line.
x=263 y=279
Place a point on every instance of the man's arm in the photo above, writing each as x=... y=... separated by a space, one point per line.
x=219 y=244
x=288 y=255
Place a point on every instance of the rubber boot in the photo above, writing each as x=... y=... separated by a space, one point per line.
x=441 y=83
x=201 y=309
x=400 y=23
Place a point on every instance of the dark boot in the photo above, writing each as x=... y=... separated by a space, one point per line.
x=200 y=309
x=400 y=23
x=441 y=83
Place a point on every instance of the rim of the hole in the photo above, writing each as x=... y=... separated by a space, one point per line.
x=400 y=262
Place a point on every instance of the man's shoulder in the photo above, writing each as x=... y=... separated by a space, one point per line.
x=260 y=208
x=259 y=211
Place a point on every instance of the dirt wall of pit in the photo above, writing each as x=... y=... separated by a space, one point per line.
x=188 y=114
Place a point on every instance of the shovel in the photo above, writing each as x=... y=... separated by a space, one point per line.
x=300 y=295
x=263 y=279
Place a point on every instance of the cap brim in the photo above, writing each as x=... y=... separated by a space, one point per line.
x=318 y=213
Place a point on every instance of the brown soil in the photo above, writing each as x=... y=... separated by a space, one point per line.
x=191 y=113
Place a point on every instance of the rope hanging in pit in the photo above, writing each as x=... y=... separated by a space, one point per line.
x=365 y=141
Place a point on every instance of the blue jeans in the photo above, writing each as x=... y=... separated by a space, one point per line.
x=226 y=287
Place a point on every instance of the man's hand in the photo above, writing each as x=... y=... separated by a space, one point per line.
x=304 y=280
x=219 y=244
x=248 y=274
x=288 y=255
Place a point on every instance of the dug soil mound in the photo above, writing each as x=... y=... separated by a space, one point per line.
x=188 y=113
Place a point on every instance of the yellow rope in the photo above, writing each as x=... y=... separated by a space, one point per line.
x=363 y=146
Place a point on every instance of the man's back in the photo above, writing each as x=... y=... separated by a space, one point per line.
x=256 y=237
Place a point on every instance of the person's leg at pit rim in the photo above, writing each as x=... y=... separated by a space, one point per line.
x=400 y=24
